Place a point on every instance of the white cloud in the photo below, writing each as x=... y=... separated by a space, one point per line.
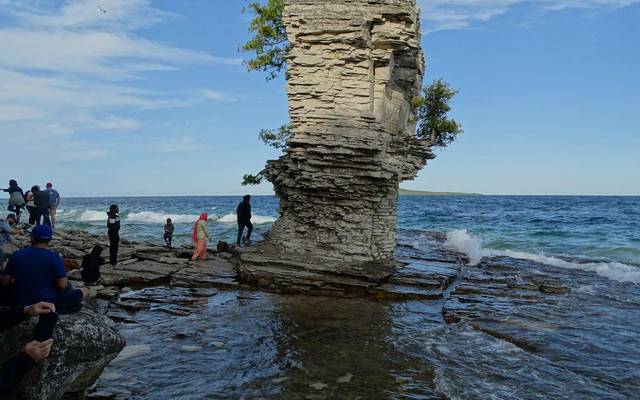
x=440 y=15
x=68 y=64
x=217 y=96
x=113 y=122
x=83 y=155
x=121 y=14
x=171 y=145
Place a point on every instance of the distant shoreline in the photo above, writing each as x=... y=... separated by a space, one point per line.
x=407 y=192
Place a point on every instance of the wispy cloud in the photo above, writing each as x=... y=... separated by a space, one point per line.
x=440 y=15
x=172 y=145
x=83 y=155
x=65 y=67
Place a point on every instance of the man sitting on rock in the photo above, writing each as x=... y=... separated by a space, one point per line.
x=12 y=371
x=38 y=274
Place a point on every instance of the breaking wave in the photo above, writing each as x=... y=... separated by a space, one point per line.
x=150 y=217
x=460 y=240
x=255 y=219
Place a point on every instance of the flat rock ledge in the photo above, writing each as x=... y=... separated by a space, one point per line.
x=274 y=269
x=263 y=267
x=502 y=299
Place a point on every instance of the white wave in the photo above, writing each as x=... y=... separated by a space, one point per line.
x=463 y=242
x=130 y=352
x=231 y=219
x=151 y=217
x=91 y=215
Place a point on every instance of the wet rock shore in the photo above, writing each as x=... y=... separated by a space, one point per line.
x=492 y=297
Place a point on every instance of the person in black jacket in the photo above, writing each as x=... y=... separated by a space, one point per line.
x=15 y=368
x=91 y=266
x=41 y=200
x=113 y=226
x=244 y=218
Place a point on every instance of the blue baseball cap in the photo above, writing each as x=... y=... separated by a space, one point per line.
x=41 y=232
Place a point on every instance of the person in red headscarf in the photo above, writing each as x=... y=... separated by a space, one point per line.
x=200 y=234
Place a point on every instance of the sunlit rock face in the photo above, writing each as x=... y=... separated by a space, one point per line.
x=354 y=67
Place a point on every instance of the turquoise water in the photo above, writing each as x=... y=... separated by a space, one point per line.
x=551 y=228
x=243 y=344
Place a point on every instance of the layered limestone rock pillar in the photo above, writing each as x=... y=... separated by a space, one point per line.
x=354 y=68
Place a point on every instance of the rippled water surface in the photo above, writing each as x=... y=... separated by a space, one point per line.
x=234 y=344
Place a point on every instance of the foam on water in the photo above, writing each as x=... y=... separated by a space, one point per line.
x=232 y=219
x=91 y=215
x=150 y=217
x=132 y=351
x=463 y=242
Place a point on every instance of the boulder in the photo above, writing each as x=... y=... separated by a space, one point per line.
x=84 y=344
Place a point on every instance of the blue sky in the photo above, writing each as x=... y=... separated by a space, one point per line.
x=150 y=98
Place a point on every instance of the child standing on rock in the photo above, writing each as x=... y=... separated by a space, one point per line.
x=168 y=232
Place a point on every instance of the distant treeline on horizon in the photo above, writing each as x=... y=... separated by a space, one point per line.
x=407 y=192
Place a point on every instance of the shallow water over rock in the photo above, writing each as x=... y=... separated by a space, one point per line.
x=503 y=329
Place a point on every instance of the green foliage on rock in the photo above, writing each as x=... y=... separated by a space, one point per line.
x=269 y=41
x=248 y=179
x=431 y=112
x=276 y=138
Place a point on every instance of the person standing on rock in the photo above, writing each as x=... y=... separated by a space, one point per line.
x=15 y=368
x=168 y=232
x=16 y=198
x=113 y=230
x=31 y=206
x=41 y=200
x=244 y=218
x=38 y=274
x=54 y=201
x=199 y=236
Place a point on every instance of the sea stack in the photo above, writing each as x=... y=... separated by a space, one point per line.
x=354 y=68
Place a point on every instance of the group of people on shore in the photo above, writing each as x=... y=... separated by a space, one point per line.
x=91 y=262
x=34 y=280
x=41 y=204
x=201 y=230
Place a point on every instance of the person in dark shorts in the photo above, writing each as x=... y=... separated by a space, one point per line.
x=38 y=274
x=168 y=232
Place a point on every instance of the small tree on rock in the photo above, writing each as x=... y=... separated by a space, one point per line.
x=269 y=41
x=431 y=112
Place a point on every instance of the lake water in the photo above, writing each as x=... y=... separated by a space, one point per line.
x=237 y=344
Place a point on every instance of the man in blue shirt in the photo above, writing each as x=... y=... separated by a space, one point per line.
x=54 y=201
x=38 y=274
